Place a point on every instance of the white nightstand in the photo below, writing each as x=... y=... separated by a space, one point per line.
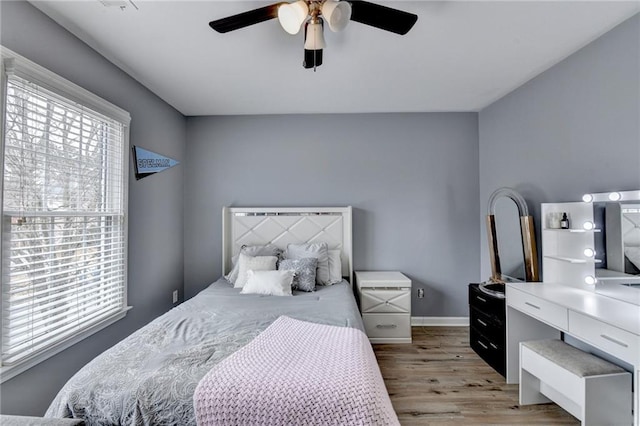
x=385 y=304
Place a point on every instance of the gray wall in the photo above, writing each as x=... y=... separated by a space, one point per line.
x=571 y=130
x=155 y=203
x=412 y=180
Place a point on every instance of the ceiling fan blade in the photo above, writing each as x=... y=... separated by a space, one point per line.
x=241 y=20
x=385 y=18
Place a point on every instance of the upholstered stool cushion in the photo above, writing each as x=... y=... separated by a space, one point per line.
x=6 y=420
x=580 y=363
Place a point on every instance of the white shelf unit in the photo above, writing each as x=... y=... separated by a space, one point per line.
x=563 y=258
x=573 y=259
x=572 y=231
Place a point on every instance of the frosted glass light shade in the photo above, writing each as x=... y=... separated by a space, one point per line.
x=587 y=198
x=615 y=196
x=314 y=39
x=337 y=14
x=292 y=15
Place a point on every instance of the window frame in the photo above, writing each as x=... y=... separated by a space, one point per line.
x=11 y=61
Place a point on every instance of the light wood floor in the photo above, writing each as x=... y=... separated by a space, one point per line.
x=439 y=380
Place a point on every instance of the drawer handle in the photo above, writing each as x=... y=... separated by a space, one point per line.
x=532 y=305
x=386 y=326
x=616 y=341
x=483 y=345
x=481 y=322
x=493 y=346
x=481 y=299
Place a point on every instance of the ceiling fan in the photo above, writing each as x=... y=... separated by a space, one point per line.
x=313 y=14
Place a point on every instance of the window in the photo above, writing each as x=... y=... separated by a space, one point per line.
x=64 y=214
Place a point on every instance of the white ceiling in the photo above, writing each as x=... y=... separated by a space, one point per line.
x=460 y=55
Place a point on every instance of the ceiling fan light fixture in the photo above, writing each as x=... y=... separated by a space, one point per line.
x=337 y=14
x=292 y=15
x=314 y=36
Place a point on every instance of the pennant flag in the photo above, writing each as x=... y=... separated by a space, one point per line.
x=148 y=162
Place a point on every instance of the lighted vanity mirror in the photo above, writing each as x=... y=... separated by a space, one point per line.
x=617 y=246
x=512 y=247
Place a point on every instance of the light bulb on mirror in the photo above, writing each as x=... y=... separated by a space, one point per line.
x=615 y=196
x=588 y=225
x=587 y=198
x=589 y=252
x=590 y=279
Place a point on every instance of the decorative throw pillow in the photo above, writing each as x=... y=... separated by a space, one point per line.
x=272 y=283
x=335 y=267
x=266 y=250
x=305 y=272
x=257 y=263
x=318 y=250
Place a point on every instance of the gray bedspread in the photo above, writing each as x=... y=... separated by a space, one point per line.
x=149 y=378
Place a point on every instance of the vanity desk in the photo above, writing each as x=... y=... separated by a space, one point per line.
x=545 y=310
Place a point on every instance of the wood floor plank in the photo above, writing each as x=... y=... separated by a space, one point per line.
x=438 y=380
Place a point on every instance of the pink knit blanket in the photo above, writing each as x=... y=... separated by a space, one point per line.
x=297 y=372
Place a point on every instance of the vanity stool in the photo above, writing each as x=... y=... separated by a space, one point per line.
x=590 y=388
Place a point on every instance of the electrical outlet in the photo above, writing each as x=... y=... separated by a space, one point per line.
x=420 y=293
x=175 y=296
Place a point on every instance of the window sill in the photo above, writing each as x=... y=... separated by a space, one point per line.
x=9 y=372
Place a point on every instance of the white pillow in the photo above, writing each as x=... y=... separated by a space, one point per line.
x=266 y=250
x=335 y=267
x=318 y=250
x=273 y=283
x=248 y=263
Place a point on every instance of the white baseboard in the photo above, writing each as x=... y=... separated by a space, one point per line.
x=440 y=321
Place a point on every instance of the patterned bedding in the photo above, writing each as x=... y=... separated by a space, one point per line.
x=150 y=377
x=297 y=373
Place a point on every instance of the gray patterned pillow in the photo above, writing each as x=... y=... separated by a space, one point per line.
x=305 y=269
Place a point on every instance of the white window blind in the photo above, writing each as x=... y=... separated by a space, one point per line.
x=63 y=219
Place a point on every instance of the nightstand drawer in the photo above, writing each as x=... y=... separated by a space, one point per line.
x=373 y=300
x=613 y=340
x=387 y=325
x=548 y=312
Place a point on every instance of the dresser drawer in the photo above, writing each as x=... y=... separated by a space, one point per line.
x=545 y=311
x=490 y=327
x=613 y=340
x=373 y=300
x=491 y=352
x=387 y=325
x=486 y=303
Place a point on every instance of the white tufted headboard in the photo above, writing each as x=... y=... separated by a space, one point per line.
x=287 y=225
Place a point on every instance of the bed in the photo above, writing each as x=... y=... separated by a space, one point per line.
x=150 y=377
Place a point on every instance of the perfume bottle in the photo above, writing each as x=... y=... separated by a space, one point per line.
x=564 y=222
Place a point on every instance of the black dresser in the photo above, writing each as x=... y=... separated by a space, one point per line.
x=487 y=334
